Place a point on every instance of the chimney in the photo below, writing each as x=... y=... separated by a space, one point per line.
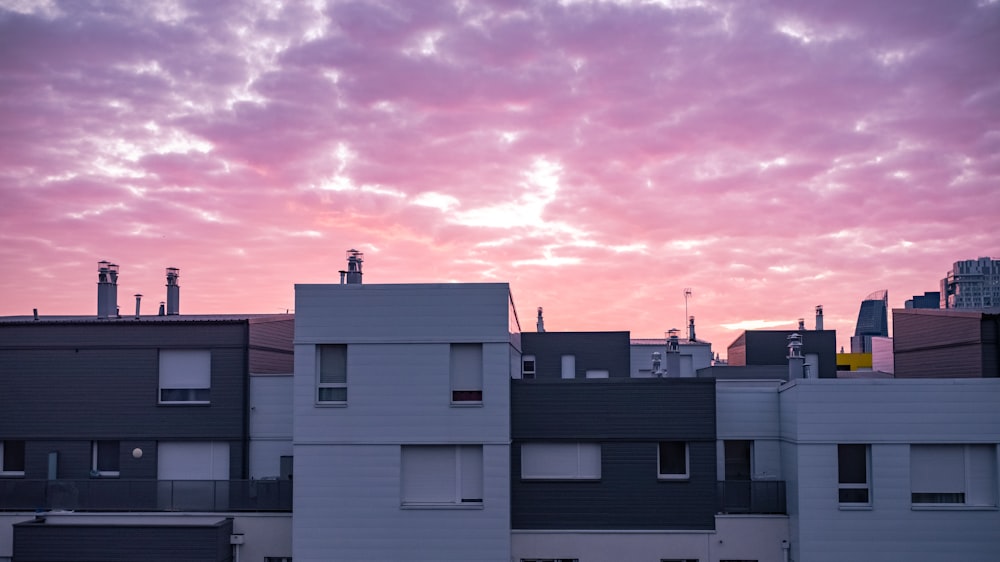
x=35 y=312
x=673 y=359
x=540 y=324
x=819 y=317
x=163 y=309
x=173 y=292
x=802 y=324
x=691 y=329
x=104 y=289
x=138 y=299
x=353 y=273
x=657 y=362
x=796 y=362
x=113 y=291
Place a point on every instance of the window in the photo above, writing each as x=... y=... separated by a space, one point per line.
x=958 y=475
x=561 y=461
x=569 y=366
x=853 y=471
x=441 y=475
x=185 y=376
x=467 y=373
x=528 y=367
x=739 y=459
x=12 y=458
x=332 y=386
x=596 y=374
x=192 y=460
x=672 y=461
x=104 y=458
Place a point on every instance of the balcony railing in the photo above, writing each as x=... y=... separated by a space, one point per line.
x=751 y=496
x=112 y=494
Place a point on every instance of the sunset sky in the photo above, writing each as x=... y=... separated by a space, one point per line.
x=600 y=156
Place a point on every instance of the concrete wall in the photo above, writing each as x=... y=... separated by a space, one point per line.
x=890 y=415
x=347 y=456
x=744 y=537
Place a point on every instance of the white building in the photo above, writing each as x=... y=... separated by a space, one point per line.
x=402 y=421
x=972 y=284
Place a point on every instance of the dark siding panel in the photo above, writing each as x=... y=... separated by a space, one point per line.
x=636 y=409
x=628 y=417
x=940 y=346
x=271 y=349
x=73 y=461
x=628 y=496
x=593 y=351
x=46 y=542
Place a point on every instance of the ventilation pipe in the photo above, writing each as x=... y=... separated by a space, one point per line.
x=657 y=363
x=35 y=312
x=796 y=362
x=802 y=324
x=673 y=359
x=173 y=292
x=163 y=309
x=138 y=300
x=819 y=317
x=352 y=276
x=107 y=289
x=691 y=329
x=540 y=324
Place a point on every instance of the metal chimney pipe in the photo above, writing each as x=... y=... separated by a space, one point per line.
x=540 y=324
x=819 y=317
x=103 y=289
x=35 y=312
x=691 y=329
x=802 y=324
x=163 y=309
x=113 y=290
x=173 y=291
x=796 y=362
x=138 y=299
x=354 y=261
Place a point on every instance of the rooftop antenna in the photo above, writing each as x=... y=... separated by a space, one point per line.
x=687 y=293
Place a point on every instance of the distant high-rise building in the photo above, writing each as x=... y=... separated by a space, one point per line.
x=972 y=284
x=873 y=320
x=930 y=299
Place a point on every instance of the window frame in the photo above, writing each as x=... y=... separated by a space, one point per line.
x=525 y=372
x=456 y=501
x=3 y=458
x=578 y=475
x=849 y=486
x=195 y=396
x=320 y=385
x=464 y=396
x=968 y=492
x=95 y=459
x=673 y=476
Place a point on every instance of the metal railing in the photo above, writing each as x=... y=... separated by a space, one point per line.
x=112 y=494
x=751 y=496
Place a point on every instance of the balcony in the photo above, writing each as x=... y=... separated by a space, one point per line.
x=751 y=497
x=146 y=495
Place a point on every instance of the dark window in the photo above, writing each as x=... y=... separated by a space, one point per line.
x=13 y=456
x=184 y=394
x=105 y=457
x=852 y=473
x=673 y=459
x=332 y=386
x=738 y=459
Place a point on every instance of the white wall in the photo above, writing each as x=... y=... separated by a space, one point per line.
x=888 y=414
x=748 y=410
x=270 y=423
x=693 y=356
x=743 y=537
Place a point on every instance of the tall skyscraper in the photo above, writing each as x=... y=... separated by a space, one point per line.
x=873 y=320
x=972 y=284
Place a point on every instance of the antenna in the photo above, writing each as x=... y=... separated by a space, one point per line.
x=687 y=293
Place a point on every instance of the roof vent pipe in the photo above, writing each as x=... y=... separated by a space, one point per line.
x=540 y=324
x=162 y=308
x=673 y=358
x=113 y=290
x=691 y=329
x=796 y=362
x=138 y=299
x=173 y=292
x=819 y=317
x=802 y=324
x=103 y=288
x=354 y=261
x=35 y=312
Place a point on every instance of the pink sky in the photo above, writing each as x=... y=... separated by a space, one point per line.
x=598 y=156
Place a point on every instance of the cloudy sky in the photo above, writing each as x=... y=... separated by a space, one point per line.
x=600 y=156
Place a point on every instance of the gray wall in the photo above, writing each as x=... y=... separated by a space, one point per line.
x=607 y=351
x=52 y=542
x=770 y=347
x=66 y=384
x=628 y=417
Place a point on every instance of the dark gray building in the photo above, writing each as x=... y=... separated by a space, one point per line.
x=946 y=343
x=770 y=347
x=567 y=355
x=873 y=321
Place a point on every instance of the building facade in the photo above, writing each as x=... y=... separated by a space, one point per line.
x=873 y=321
x=946 y=343
x=402 y=421
x=972 y=284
